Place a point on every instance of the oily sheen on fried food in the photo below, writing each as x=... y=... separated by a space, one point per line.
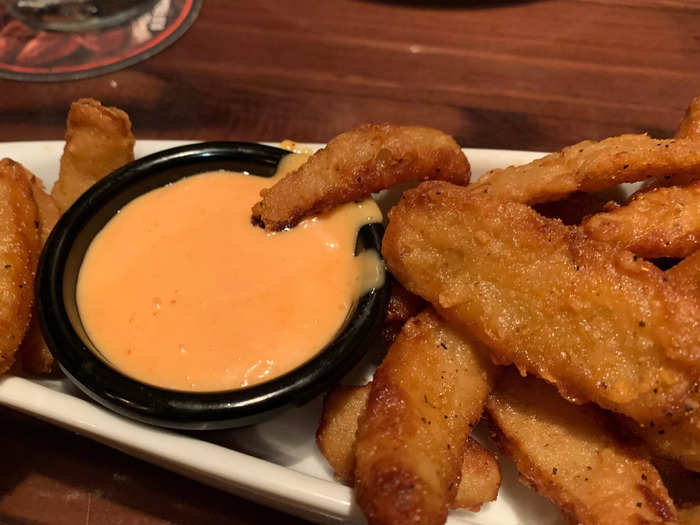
x=661 y=222
x=593 y=166
x=567 y=453
x=356 y=164
x=425 y=396
x=594 y=320
x=480 y=476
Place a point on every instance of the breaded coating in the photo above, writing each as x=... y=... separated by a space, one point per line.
x=98 y=141
x=686 y=274
x=34 y=354
x=335 y=437
x=47 y=208
x=676 y=435
x=19 y=250
x=481 y=477
x=595 y=320
x=592 y=166
x=402 y=306
x=567 y=453
x=689 y=128
x=356 y=164
x=425 y=397
x=663 y=222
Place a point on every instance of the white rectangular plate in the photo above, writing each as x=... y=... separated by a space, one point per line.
x=275 y=463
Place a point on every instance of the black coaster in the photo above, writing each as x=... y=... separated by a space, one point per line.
x=41 y=56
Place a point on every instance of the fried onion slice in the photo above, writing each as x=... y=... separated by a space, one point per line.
x=98 y=141
x=662 y=222
x=425 y=397
x=596 y=321
x=342 y=408
x=356 y=164
x=592 y=166
x=567 y=453
x=19 y=250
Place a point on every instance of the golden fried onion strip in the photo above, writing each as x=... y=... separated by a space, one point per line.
x=567 y=453
x=342 y=408
x=661 y=222
x=592 y=319
x=592 y=166
x=356 y=164
x=425 y=397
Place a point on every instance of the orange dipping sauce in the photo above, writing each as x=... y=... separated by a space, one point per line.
x=181 y=291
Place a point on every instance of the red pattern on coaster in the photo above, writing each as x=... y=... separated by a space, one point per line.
x=26 y=54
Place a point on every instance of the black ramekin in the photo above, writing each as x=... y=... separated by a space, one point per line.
x=64 y=333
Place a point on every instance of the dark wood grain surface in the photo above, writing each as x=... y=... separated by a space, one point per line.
x=519 y=75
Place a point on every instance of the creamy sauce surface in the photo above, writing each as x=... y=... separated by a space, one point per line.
x=181 y=291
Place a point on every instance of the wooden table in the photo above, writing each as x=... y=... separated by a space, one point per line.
x=520 y=75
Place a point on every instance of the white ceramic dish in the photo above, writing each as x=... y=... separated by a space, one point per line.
x=275 y=463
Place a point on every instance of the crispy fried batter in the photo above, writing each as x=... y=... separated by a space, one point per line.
x=98 y=141
x=567 y=453
x=675 y=435
x=425 y=396
x=593 y=166
x=342 y=408
x=481 y=477
x=19 y=249
x=686 y=274
x=34 y=354
x=689 y=128
x=335 y=437
x=402 y=306
x=663 y=222
x=582 y=314
x=47 y=209
x=356 y=164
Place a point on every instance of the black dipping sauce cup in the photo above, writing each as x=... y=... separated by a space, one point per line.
x=78 y=357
